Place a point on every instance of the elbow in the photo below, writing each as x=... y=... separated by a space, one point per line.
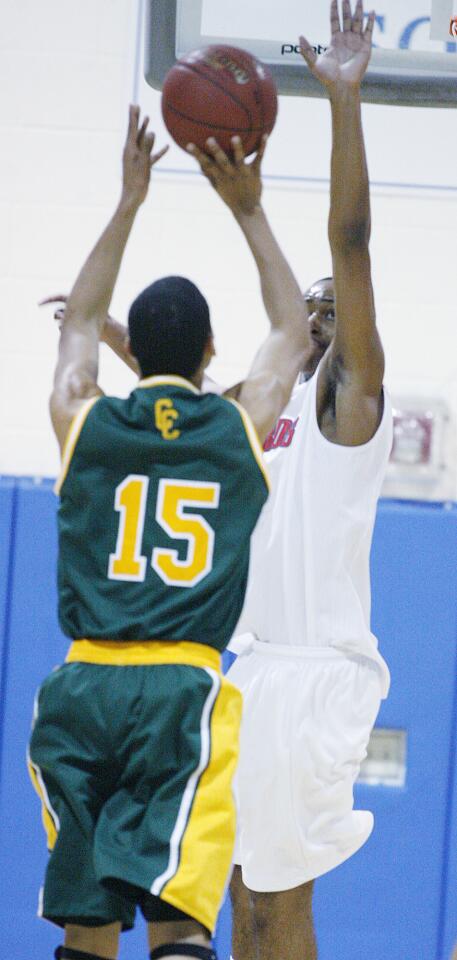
x=352 y=235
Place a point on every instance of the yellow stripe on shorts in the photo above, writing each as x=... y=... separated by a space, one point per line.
x=51 y=821
x=134 y=653
x=201 y=845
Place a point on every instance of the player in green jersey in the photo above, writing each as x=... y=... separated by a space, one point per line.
x=134 y=742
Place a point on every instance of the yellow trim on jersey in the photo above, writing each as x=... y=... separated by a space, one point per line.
x=71 y=439
x=48 y=822
x=173 y=380
x=134 y=653
x=253 y=438
x=198 y=885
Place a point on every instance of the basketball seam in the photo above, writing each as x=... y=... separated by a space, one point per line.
x=215 y=126
x=239 y=103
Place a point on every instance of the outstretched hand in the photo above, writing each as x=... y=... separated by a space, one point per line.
x=346 y=59
x=59 y=312
x=239 y=184
x=138 y=158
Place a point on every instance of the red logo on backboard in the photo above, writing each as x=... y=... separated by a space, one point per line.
x=453 y=26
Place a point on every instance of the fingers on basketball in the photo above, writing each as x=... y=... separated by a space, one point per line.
x=260 y=152
x=195 y=152
x=220 y=157
x=205 y=162
x=237 y=152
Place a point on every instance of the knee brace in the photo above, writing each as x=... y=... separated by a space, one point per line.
x=183 y=949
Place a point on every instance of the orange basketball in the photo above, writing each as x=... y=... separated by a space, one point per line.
x=219 y=92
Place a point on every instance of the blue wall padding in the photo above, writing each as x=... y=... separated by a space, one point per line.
x=449 y=920
x=397 y=897
x=386 y=900
x=7 y=494
x=35 y=646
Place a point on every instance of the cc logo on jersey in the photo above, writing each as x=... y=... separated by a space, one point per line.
x=165 y=416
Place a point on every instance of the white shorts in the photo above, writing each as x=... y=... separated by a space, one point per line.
x=307 y=717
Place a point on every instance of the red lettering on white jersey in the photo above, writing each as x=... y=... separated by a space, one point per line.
x=281 y=435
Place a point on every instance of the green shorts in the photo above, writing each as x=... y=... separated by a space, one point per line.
x=134 y=767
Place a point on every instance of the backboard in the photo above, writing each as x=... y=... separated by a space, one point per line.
x=414 y=60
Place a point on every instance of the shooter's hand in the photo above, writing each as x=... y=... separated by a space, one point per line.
x=138 y=158
x=239 y=184
x=346 y=59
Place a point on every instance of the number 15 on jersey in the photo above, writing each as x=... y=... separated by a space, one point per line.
x=173 y=497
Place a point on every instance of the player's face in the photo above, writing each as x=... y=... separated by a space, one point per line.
x=320 y=301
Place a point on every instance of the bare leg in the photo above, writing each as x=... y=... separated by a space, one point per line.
x=284 y=924
x=244 y=944
x=103 y=941
x=187 y=931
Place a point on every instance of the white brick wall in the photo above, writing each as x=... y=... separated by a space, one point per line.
x=66 y=76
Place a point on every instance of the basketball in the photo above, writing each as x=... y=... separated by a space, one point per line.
x=220 y=92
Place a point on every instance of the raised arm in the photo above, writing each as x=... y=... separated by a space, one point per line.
x=278 y=361
x=88 y=303
x=355 y=361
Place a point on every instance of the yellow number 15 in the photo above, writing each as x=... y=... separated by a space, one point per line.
x=173 y=496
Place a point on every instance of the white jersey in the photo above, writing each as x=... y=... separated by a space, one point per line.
x=309 y=581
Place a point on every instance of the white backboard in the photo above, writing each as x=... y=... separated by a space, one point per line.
x=396 y=20
x=414 y=59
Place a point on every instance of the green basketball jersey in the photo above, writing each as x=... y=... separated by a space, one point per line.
x=160 y=493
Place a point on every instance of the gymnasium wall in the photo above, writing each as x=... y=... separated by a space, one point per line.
x=67 y=73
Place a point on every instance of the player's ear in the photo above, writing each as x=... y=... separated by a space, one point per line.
x=128 y=346
x=209 y=351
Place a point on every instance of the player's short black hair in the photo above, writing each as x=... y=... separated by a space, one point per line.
x=169 y=326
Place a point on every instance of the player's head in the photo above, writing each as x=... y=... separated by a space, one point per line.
x=170 y=329
x=320 y=301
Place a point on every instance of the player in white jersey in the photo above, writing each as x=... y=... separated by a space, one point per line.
x=308 y=667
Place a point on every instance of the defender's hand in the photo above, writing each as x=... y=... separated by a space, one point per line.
x=138 y=158
x=239 y=184
x=59 y=312
x=345 y=61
